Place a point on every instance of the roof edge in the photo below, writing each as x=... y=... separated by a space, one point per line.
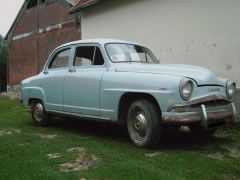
x=80 y=6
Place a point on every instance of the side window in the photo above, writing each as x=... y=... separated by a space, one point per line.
x=88 y=56
x=98 y=60
x=60 y=60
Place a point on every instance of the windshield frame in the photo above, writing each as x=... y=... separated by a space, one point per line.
x=154 y=59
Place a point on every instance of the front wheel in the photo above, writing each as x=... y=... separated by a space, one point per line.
x=143 y=122
x=39 y=115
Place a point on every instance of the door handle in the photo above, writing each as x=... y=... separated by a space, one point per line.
x=72 y=70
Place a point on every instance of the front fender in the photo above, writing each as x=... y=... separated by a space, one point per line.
x=33 y=93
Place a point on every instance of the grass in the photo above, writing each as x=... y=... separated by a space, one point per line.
x=23 y=153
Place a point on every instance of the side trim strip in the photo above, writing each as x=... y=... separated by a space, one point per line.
x=79 y=115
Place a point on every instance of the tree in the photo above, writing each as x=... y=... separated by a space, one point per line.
x=3 y=63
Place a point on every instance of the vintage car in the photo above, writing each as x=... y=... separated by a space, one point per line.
x=123 y=82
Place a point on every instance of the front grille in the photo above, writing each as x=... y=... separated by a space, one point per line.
x=210 y=107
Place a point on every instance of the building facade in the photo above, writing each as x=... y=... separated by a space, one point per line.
x=203 y=33
x=40 y=27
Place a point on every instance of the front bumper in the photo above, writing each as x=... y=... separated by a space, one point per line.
x=206 y=114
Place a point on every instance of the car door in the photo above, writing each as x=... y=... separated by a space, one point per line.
x=53 y=78
x=82 y=83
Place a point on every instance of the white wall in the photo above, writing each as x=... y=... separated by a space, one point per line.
x=198 y=32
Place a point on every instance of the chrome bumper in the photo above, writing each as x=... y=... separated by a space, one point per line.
x=202 y=117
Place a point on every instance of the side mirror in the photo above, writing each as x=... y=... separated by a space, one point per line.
x=45 y=72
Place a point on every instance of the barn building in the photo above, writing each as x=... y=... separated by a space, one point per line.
x=40 y=27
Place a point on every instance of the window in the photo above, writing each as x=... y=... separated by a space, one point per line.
x=60 y=60
x=130 y=53
x=88 y=56
x=32 y=3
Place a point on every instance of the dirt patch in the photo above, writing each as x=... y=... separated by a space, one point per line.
x=47 y=136
x=13 y=95
x=218 y=155
x=83 y=162
x=3 y=133
x=54 y=155
x=76 y=149
x=23 y=144
x=220 y=134
x=232 y=151
x=151 y=155
x=15 y=107
x=7 y=132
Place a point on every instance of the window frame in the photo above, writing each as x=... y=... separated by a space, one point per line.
x=52 y=56
x=88 y=45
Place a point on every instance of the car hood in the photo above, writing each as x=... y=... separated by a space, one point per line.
x=201 y=75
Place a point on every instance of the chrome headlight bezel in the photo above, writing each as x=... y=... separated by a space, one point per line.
x=186 y=88
x=230 y=89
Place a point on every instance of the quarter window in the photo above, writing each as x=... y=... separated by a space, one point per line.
x=60 y=60
x=88 y=56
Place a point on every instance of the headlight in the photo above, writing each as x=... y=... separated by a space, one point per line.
x=230 y=89
x=186 y=88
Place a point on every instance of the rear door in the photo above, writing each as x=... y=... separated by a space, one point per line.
x=83 y=81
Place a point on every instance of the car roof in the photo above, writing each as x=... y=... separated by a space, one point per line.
x=98 y=41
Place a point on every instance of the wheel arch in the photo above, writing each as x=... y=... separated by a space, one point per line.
x=127 y=98
x=36 y=94
x=31 y=100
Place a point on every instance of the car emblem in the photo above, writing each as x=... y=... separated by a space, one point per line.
x=214 y=89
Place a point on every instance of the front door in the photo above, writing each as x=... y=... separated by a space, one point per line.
x=53 y=79
x=82 y=84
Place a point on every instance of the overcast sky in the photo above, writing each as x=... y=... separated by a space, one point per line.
x=8 y=12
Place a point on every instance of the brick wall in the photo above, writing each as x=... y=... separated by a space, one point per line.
x=27 y=55
x=23 y=59
x=53 y=14
x=28 y=22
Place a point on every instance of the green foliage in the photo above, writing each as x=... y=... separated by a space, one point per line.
x=3 y=60
x=24 y=154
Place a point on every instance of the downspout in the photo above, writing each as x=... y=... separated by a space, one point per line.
x=38 y=63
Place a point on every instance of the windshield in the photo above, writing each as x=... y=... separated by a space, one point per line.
x=130 y=53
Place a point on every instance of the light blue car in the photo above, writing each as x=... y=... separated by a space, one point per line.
x=123 y=82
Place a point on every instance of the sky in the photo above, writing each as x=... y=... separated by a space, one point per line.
x=8 y=11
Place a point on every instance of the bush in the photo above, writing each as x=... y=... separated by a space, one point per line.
x=3 y=64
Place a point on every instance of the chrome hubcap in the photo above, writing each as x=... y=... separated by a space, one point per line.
x=38 y=112
x=140 y=125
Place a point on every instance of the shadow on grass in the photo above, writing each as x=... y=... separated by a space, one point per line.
x=179 y=140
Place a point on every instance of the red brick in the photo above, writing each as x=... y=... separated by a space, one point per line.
x=23 y=59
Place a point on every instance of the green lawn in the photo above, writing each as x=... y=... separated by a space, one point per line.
x=103 y=151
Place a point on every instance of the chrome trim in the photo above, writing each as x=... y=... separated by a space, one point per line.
x=234 y=109
x=79 y=115
x=205 y=117
x=196 y=118
x=200 y=101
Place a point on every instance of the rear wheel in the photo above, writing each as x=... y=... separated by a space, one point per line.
x=39 y=115
x=143 y=122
